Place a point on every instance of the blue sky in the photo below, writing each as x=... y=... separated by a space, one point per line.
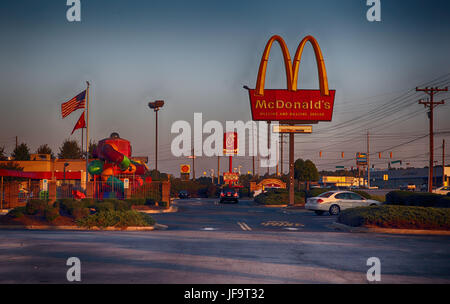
x=197 y=55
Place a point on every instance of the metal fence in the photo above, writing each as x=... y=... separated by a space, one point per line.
x=17 y=193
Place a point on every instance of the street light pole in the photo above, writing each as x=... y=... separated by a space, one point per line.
x=155 y=106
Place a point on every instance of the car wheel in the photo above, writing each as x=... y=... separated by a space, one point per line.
x=318 y=212
x=334 y=210
x=372 y=205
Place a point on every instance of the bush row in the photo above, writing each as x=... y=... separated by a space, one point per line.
x=77 y=209
x=397 y=217
x=407 y=198
x=114 y=218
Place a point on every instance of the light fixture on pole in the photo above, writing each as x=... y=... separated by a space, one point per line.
x=155 y=106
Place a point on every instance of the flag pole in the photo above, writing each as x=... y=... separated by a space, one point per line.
x=87 y=132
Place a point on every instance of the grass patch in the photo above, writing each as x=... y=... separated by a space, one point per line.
x=405 y=217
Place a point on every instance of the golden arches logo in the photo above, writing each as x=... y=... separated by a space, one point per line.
x=292 y=70
x=292 y=105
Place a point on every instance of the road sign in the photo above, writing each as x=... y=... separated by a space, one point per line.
x=340 y=167
x=45 y=185
x=385 y=177
x=291 y=129
x=230 y=177
x=230 y=143
x=361 y=159
x=185 y=169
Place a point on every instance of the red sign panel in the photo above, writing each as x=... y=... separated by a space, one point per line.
x=230 y=143
x=285 y=105
x=230 y=177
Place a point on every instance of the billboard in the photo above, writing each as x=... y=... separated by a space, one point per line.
x=292 y=105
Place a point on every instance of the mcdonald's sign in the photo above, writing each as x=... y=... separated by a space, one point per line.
x=292 y=105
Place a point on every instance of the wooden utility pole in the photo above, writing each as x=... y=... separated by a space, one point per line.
x=368 y=160
x=443 y=162
x=431 y=104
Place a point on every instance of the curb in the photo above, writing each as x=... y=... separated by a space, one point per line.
x=346 y=228
x=41 y=227
x=169 y=210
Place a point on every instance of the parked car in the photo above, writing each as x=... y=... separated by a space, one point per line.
x=442 y=190
x=408 y=187
x=229 y=194
x=183 y=194
x=335 y=201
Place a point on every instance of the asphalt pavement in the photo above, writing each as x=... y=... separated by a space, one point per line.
x=207 y=242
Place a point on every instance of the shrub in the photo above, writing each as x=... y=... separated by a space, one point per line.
x=79 y=213
x=397 y=217
x=17 y=212
x=136 y=201
x=121 y=205
x=51 y=214
x=35 y=206
x=278 y=197
x=406 y=198
x=113 y=218
x=150 y=202
x=104 y=206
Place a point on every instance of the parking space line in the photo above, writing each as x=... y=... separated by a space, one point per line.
x=244 y=226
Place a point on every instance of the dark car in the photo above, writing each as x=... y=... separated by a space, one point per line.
x=183 y=194
x=229 y=194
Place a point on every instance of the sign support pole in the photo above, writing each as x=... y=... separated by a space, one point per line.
x=87 y=133
x=291 y=169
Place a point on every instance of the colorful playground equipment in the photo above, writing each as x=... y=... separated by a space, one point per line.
x=114 y=164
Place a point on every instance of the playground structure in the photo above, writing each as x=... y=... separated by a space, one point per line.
x=114 y=168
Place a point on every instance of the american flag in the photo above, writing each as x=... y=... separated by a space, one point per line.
x=78 y=102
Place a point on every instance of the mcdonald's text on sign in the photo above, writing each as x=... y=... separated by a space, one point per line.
x=283 y=105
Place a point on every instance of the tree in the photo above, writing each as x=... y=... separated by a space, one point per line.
x=22 y=152
x=305 y=171
x=92 y=148
x=2 y=154
x=45 y=149
x=11 y=166
x=69 y=150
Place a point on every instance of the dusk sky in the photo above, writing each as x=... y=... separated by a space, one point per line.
x=197 y=55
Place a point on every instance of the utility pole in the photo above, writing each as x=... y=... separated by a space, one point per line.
x=443 y=162
x=368 y=160
x=218 y=170
x=431 y=104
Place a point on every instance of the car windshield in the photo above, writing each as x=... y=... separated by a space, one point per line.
x=326 y=194
x=228 y=190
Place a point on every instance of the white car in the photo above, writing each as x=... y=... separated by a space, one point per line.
x=335 y=201
x=442 y=190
